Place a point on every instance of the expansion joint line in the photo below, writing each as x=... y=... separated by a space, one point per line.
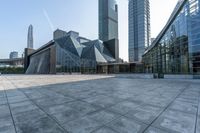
x=39 y=108
x=166 y=107
x=9 y=104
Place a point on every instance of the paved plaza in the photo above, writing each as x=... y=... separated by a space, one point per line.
x=98 y=104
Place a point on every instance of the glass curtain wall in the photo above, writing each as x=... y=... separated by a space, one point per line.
x=178 y=51
x=194 y=33
x=67 y=62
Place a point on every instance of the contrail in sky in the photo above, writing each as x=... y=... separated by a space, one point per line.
x=48 y=19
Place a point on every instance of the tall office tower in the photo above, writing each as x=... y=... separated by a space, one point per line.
x=108 y=20
x=30 y=37
x=139 y=29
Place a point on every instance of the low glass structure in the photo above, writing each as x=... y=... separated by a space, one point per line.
x=176 y=50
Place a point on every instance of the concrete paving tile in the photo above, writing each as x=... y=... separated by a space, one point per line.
x=126 y=125
x=4 y=111
x=57 y=108
x=53 y=94
x=66 y=89
x=120 y=95
x=158 y=102
x=86 y=94
x=151 y=108
x=14 y=92
x=199 y=109
x=21 y=107
x=52 y=101
x=43 y=125
x=143 y=116
x=46 y=91
x=68 y=115
x=6 y=122
x=29 y=116
x=6 y=125
x=3 y=101
x=198 y=125
x=2 y=94
x=21 y=104
x=156 y=130
x=16 y=99
x=60 y=100
x=177 y=121
x=187 y=100
x=124 y=107
x=189 y=94
x=42 y=102
x=105 y=130
x=142 y=98
x=103 y=116
x=103 y=101
x=184 y=107
x=82 y=107
x=7 y=129
x=81 y=125
x=34 y=94
x=145 y=113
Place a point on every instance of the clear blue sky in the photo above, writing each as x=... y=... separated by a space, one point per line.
x=78 y=15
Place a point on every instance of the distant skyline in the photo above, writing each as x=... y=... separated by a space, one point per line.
x=77 y=15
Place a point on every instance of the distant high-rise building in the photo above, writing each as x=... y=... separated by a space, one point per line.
x=30 y=37
x=13 y=55
x=139 y=29
x=108 y=20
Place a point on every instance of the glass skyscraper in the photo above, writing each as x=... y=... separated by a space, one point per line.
x=176 y=50
x=139 y=29
x=108 y=20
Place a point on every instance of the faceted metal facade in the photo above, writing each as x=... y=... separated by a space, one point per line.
x=108 y=20
x=139 y=29
x=72 y=56
x=176 y=50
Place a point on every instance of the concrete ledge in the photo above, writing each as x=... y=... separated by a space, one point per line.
x=196 y=76
x=135 y=76
x=150 y=76
x=171 y=76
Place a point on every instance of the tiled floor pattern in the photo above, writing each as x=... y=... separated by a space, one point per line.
x=98 y=104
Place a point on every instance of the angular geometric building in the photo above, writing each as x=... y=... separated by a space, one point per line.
x=139 y=29
x=108 y=20
x=176 y=50
x=68 y=52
